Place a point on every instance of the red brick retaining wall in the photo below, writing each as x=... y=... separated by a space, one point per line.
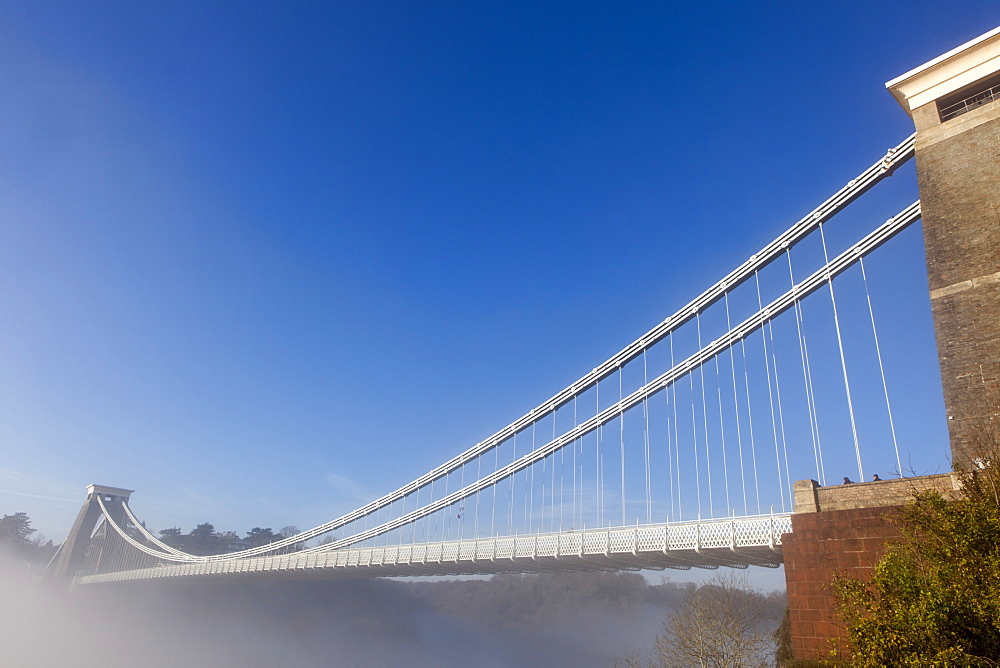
x=839 y=529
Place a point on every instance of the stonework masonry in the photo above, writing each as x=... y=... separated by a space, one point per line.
x=844 y=529
x=958 y=172
x=836 y=530
x=73 y=550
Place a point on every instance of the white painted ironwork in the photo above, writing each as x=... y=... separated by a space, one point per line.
x=847 y=194
x=129 y=551
x=734 y=542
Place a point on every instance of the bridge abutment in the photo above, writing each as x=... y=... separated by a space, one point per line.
x=954 y=101
x=841 y=529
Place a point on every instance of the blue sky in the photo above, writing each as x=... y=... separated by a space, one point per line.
x=262 y=262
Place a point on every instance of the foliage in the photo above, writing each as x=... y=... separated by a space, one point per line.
x=170 y=536
x=204 y=531
x=934 y=598
x=783 y=641
x=257 y=537
x=16 y=539
x=204 y=539
x=229 y=541
x=15 y=529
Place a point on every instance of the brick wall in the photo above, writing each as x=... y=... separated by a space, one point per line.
x=821 y=545
x=840 y=529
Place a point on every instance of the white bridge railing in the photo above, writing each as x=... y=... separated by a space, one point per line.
x=558 y=465
x=736 y=542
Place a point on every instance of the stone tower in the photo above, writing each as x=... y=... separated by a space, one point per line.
x=71 y=554
x=954 y=101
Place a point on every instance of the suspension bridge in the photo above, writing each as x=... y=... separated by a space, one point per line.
x=679 y=451
x=682 y=450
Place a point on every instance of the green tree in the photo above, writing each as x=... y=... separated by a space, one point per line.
x=934 y=598
x=257 y=537
x=17 y=540
x=204 y=540
x=171 y=536
x=230 y=541
x=15 y=530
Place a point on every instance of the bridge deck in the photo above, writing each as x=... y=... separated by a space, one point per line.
x=735 y=543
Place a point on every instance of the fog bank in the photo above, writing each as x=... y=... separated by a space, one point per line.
x=571 y=619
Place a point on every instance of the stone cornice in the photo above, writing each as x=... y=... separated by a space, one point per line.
x=950 y=72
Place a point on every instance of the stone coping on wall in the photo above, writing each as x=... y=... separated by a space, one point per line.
x=811 y=497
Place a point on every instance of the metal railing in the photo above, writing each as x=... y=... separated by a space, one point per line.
x=970 y=103
x=735 y=542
